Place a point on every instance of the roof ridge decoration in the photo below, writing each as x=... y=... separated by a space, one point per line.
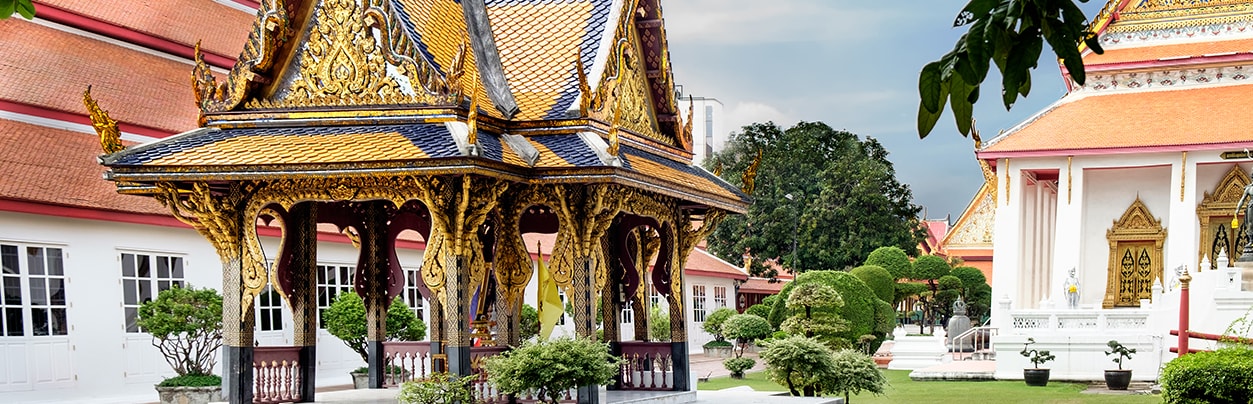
x=625 y=82
x=487 y=57
x=270 y=31
x=1179 y=14
x=106 y=127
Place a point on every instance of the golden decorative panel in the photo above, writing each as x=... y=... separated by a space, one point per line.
x=1215 y=213
x=625 y=82
x=1135 y=257
x=269 y=32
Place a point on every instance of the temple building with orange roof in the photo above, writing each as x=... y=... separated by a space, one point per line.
x=1126 y=182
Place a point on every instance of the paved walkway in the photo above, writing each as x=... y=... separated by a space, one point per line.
x=711 y=366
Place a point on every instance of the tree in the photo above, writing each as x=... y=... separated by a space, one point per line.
x=1010 y=35
x=744 y=329
x=23 y=8
x=552 y=367
x=813 y=306
x=976 y=292
x=186 y=326
x=878 y=279
x=799 y=363
x=893 y=259
x=855 y=372
x=345 y=319
x=528 y=322
x=760 y=309
x=845 y=198
x=948 y=289
x=930 y=268
x=859 y=303
x=713 y=322
x=658 y=324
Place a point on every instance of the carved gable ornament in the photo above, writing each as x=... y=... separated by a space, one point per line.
x=974 y=229
x=1135 y=257
x=1214 y=214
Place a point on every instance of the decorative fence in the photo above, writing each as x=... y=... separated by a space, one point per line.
x=405 y=361
x=648 y=366
x=276 y=374
x=1079 y=320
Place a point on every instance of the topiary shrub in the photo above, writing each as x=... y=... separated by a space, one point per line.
x=976 y=291
x=815 y=307
x=859 y=302
x=878 y=280
x=745 y=328
x=759 y=310
x=186 y=326
x=884 y=323
x=892 y=259
x=551 y=367
x=854 y=372
x=1222 y=376
x=438 y=388
x=713 y=322
x=737 y=366
x=801 y=364
x=528 y=322
x=345 y=319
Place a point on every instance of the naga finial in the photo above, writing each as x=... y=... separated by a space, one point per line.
x=685 y=132
x=750 y=175
x=974 y=133
x=457 y=71
x=585 y=91
x=472 y=118
x=613 y=130
x=106 y=127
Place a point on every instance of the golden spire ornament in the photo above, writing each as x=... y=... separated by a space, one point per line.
x=106 y=127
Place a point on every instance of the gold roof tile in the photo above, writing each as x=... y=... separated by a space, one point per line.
x=444 y=32
x=547 y=158
x=539 y=59
x=299 y=149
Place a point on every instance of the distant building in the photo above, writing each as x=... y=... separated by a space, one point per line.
x=709 y=127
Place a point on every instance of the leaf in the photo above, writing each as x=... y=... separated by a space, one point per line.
x=1094 y=43
x=977 y=50
x=928 y=86
x=6 y=8
x=26 y=9
x=961 y=106
x=975 y=10
x=926 y=121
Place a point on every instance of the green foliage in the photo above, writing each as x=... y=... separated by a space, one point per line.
x=717 y=344
x=186 y=326
x=658 y=324
x=1008 y=34
x=814 y=308
x=893 y=259
x=528 y=322
x=1037 y=357
x=908 y=289
x=345 y=319
x=858 y=310
x=1222 y=376
x=760 y=309
x=738 y=365
x=191 y=380
x=884 y=322
x=976 y=292
x=799 y=363
x=930 y=268
x=1116 y=348
x=551 y=367
x=854 y=372
x=713 y=322
x=846 y=198
x=769 y=300
x=23 y=8
x=746 y=328
x=948 y=289
x=878 y=279
x=438 y=388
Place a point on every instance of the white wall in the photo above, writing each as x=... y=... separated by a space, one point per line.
x=1109 y=193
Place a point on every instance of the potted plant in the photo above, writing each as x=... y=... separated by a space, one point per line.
x=1118 y=379
x=719 y=347
x=438 y=388
x=186 y=326
x=345 y=319
x=1036 y=376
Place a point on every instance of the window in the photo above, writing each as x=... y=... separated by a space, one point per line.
x=655 y=298
x=412 y=295
x=269 y=310
x=143 y=277
x=720 y=296
x=698 y=303
x=561 y=293
x=332 y=280
x=44 y=298
x=628 y=315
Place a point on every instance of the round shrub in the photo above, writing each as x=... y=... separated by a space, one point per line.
x=345 y=319
x=438 y=388
x=1222 y=376
x=798 y=363
x=737 y=366
x=186 y=326
x=878 y=279
x=551 y=367
x=859 y=302
x=713 y=322
x=855 y=372
x=746 y=328
x=970 y=276
x=930 y=267
x=759 y=310
x=893 y=259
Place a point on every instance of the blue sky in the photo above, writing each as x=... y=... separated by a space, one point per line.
x=853 y=65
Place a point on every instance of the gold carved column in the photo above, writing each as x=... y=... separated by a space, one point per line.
x=372 y=285
x=301 y=237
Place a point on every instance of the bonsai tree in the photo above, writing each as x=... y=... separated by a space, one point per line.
x=438 y=388
x=801 y=364
x=814 y=305
x=713 y=326
x=854 y=372
x=745 y=328
x=1123 y=352
x=1035 y=376
x=930 y=268
x=737 y=366
x=345 y=319
x=551 y=367
x=1118 y=379
x=186 y=326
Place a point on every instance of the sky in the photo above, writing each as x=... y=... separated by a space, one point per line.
x=854 y=66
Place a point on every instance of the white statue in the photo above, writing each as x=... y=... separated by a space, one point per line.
x=1071 y=288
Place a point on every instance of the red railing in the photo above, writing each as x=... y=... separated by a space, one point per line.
x=276 y=374
x=1209 y=337
x=648 y=366
x=405 y=361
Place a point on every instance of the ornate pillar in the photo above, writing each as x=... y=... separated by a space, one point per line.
x=372 y=284
x=685 y=237
x=302 y=241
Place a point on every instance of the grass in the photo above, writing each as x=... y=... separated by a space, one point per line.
x=903 y=390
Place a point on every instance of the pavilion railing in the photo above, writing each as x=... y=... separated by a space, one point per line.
x=647 y=366
x=405 y=361
x=276 y=374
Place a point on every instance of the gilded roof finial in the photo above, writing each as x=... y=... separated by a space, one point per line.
x=685 y=132
x=989 y=175
x=457 y=70
x=613 y=130
x=718 y=168
x=106 y=127
x=472 y=119
x=749 y=177
x=585 y=91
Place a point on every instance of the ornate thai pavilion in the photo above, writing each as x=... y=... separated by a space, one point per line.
x=471 y=122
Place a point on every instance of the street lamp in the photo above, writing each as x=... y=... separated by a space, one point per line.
x=795 y=225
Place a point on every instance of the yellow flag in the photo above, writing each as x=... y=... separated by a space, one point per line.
x=549 y=307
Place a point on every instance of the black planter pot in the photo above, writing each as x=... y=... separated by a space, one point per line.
x=1036 y=377
x=1117 y=379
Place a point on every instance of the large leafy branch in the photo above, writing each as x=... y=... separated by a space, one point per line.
x=1010 y=35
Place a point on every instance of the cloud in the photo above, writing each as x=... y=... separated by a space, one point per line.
x=747 y=112
x=757 y=22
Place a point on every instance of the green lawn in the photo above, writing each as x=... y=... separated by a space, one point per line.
x=903 y=390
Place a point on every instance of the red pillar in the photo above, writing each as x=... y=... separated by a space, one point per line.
x=1183 y=312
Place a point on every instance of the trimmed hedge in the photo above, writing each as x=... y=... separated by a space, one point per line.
x=859 y=303
x=1222 y=376
x=893 y=259
x=759 y=310
x=878 y=279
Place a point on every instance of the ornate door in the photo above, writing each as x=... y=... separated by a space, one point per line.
x=1135 y=257
x=1135 y=273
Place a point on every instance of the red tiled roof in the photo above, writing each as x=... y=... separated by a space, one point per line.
x=762 y=286
x=701 y=262
x=220 y=28
x=1159 y=52
x=1192 y=116
x=48 y=68
x=64 y=174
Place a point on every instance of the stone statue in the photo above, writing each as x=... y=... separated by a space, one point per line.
x=958 y=324
x=959 y=307
x=1071 y=287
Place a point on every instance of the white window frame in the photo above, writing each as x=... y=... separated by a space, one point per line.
x=329 y=288
x=153 y=280
x=720 y=297
x=23 y=281
x=698 y=303
x=269 y=310
x=413 y=293
x=628 y=314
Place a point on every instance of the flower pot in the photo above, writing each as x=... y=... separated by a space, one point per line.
x=718 y=351
x=1036 y=377
x=189 y=395
x=1117 y=379
x=360 y=380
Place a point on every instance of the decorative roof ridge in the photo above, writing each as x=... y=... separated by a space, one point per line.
x=603 y=51
x=972 y=208
x=487 y=57
x=1172 y=77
